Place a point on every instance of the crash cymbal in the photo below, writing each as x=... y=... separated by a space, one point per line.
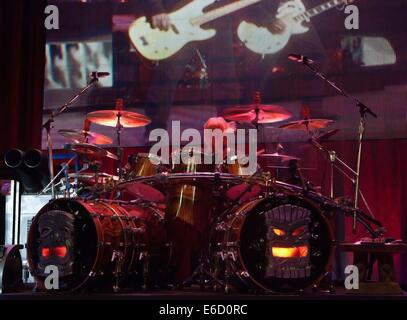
x=109 y=118
x=307 y=125
x=266 y=113
x=276 y=155
x=92 y=151
x=82 y=136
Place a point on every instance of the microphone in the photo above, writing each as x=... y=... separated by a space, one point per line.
x=96 y=74
x=300 y=58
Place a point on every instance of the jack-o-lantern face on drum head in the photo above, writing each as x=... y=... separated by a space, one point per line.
x=288 y=237
x=56 y=240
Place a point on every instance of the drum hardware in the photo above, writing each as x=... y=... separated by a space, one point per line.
x=337 y=163
x=117 y=256
x=51 y=184
x=48 y=125
x=145 y=258
x=364 y=111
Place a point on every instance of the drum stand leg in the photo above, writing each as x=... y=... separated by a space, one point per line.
x=229 y=288
x=326 y=284
x=206 y=278
x=118 y=256
x=146 y=271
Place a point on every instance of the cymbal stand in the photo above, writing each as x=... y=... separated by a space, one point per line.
x=48 y=125
x=119 y=128
x=203 y=274
x=51 y=184
x=335 y=163
x=363 y=112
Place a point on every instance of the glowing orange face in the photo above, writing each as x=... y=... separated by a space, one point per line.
x=288 y=242
x=294 y=252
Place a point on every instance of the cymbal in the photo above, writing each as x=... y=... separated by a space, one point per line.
x=308 y=125
x=109 y=118
x=326 y=135
x=267 y=113
x=92 y=151
x=282 y=167
x=82 y=136
x=283 y=157
x=91 y=177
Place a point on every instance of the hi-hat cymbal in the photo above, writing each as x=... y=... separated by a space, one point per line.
x=109 y=118
x=283 y=168
x=276 y=155
x=92 y=151
x=90 y=178
x=266 y=113
x=82 y=136
x=326 y=135
x=307 y=125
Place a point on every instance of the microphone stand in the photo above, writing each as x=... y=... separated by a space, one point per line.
x=363 y=111
x=48 y=125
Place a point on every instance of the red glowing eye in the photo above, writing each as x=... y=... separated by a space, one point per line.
x=298 y=232
x=60 y=252
x=279 y=232
x=45 y=252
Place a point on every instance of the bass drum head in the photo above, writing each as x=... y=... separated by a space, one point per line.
x=285 y=245
x=63 y=234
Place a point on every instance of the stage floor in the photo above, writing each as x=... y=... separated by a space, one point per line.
x=196 y=294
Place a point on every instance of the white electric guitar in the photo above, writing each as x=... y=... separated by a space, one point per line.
x=155 y=44
x=292 y=14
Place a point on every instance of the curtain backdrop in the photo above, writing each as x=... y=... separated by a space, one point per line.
x=22 y=59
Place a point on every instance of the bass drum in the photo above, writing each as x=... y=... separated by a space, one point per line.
x=281 y=243
x=97 y=244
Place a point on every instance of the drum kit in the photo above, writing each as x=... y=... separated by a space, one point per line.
x=187 y=224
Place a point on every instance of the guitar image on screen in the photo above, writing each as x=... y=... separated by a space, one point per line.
x=292 y=14
x=155 y=44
